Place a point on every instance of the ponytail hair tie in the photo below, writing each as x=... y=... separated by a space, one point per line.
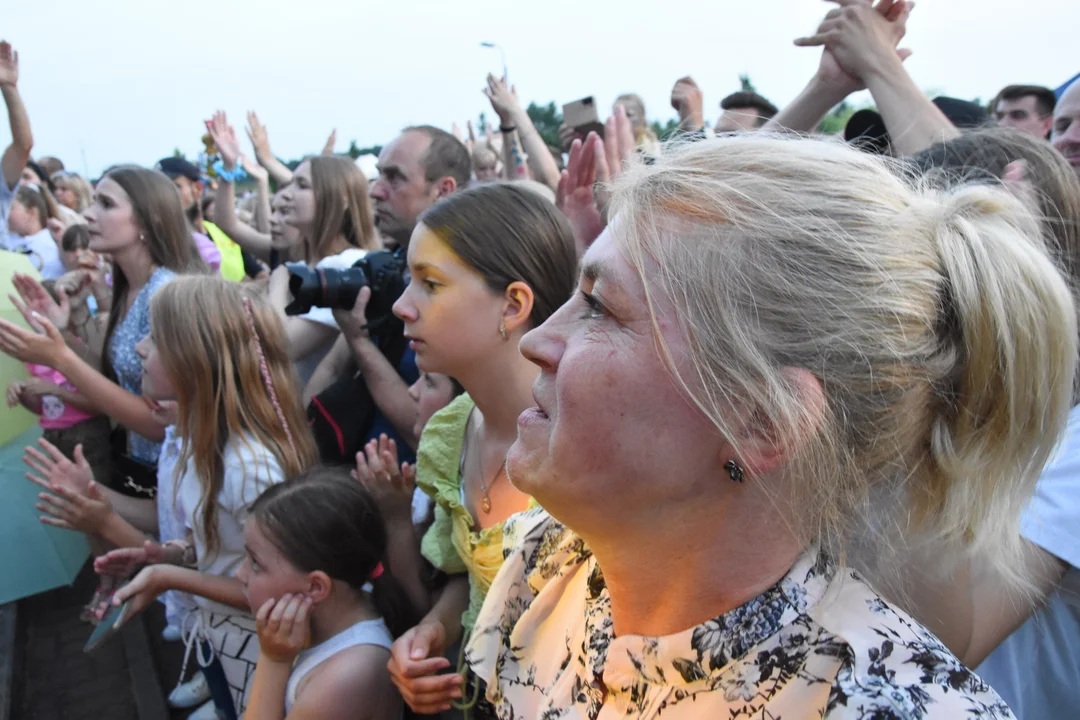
x=377 y=572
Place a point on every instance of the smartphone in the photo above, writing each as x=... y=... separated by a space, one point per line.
x=582 y=116
x=108 y=626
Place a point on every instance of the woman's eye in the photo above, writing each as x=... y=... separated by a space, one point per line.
x=596 y=309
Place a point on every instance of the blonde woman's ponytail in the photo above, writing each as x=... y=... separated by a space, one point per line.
x=1008 y=316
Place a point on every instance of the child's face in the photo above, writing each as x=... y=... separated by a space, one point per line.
x=265 y=572
x=156 y=384
x=432 y=392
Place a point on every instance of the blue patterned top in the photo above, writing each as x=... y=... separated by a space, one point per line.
x=126 y=364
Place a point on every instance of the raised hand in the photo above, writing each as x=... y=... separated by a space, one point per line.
x=416 y=658
x=224 y=139
x=619 y=141
x=328 y=148
x=254 y=169
x=256 y=132
x=9 y=65
x=687 y=99
x=123 y=561
x=504 y=101
x=67 y=509
x=54 y=470
x=35 y=299
x=44 y=347
x=392 y=484
x=858 y=39
x=284 y=627
x=576 y=196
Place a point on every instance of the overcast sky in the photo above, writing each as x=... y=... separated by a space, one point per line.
x=127 y=81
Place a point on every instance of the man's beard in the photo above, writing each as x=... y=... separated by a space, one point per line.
x=193 y=214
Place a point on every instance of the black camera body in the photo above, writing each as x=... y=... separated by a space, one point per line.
x=382 y=270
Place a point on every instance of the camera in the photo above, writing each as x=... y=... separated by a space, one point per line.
x=382 y=270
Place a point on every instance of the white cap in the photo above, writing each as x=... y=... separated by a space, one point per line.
x=369 y=165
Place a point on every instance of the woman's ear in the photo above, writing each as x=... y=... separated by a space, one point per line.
x=519 y=306
x=319 y=586
x=763 y=446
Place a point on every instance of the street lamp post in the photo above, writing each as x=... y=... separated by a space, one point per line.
x=502 y=54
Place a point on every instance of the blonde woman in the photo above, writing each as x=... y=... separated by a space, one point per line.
x=72 y=190
x=778 y=348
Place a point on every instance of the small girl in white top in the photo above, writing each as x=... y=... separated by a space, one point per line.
x=220 y=351
x=316 y=578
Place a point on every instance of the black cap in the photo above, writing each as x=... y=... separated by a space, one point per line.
x=176 y=167
x=962 y=113
x=866 y=128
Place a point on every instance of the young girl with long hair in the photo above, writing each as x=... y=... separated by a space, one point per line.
x=326 y=607
x=136 y=219
x=327 y=202
x=488 y=264
x=220 y=351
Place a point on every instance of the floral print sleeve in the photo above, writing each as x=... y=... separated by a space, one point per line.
x=819 y=644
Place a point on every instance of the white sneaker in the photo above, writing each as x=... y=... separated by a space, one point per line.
x=191 y=693
x=171 y=633
x=206 y=712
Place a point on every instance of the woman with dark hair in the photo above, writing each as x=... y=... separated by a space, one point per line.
x=488 y=264
x=137 y=219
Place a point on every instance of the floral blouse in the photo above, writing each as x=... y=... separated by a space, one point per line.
x=818 y=644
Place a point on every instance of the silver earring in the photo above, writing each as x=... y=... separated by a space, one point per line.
x=734 y=471
x=502 y=331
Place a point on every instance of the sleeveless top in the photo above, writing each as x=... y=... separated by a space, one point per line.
x=365 y=632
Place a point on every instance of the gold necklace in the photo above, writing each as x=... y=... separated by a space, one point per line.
x=485 y=504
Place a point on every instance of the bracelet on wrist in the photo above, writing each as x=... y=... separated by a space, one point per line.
x=230 y=176
x=507 y=128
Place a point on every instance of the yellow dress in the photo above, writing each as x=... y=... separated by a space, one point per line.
x=452 y=544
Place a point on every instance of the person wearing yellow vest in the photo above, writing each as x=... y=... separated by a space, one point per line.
x=232 y=259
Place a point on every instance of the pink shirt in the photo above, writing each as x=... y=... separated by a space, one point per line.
x=208 y=250
x=55 y=413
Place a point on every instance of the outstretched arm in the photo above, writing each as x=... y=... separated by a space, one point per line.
x=22 y=141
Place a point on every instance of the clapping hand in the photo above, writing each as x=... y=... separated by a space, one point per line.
x=55 y=470
x=35 y=299
x=71 y=510
x=256 y=132
x=123 y=561
x=224 y=139
x=391 y=484
x=577 y=193
x=857 y=38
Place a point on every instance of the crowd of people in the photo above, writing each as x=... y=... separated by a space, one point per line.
x=751 y=423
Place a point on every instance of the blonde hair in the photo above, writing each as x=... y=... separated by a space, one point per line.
x=644 y=137
x=202 y=327
x=942 y=335
x=78 y=184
